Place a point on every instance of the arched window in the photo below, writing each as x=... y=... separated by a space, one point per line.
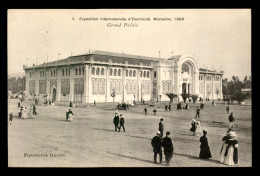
x=93 y=70
x=111 y=72
x=40 y=73
x=148 y=74
x=154 y=74
x=130 y=73
x=66 y=72
x=126 y=73
x=76 y=71
x=62 y=72
x=141 y=74
x=51 y=72
x=69 y=72
x=119 y=72
x=97 y=72
x=102 y=71
x=54 y=73
x=115 y=70
x=144 y=73
x=79 y=71
x=83 y=71
x=134 y=73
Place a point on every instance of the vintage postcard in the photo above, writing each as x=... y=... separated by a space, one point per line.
x=129 y=88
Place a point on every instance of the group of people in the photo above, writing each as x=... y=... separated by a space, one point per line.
x=119 y=121
x=168 y=107
x=27 y=113
x=195 y=127
x=158 y=142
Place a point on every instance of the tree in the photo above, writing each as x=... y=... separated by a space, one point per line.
x=185 y=96
x=194 y=98
x=113 y=95
x=171 y=96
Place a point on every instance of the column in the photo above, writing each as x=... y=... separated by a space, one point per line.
x=90 y=82
x=72 y=74
x=213 y=92
x=107 y=92
x=205 y=87
x=86 y=82
x=58 y=92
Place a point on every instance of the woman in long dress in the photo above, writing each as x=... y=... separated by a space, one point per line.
x=193 y=126
x=29 y=114
x=198 y=129
x=204 y=147
x=231 y=152
x=224 y=146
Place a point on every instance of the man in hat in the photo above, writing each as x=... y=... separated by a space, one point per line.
x=157 y=146
x=116 y=121
x=11 y=116
x=161 y=127
x=168 y=148
x=197 y=112
x=145 y=111
x=154 y=112
x=231 y=120
x=34 y=110
x=122 y=122
x=170 y=107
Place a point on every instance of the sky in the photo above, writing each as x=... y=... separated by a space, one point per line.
x=218 y=38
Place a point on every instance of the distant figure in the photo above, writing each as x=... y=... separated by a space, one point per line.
x=227 y=109
x=193 y=126
x=154 y=112
x=190 y=100
x=70 y=103
x=145 y=111
x=231 y=152
x=127 y=106
x=70 y=114
x=201 y=105
x=231 y=120
x=122 y=122
x=94 y=102
x=198 y=129
x=168 y=148
x=157 y=147
x=187 y=106
x=166 y=108
x=197 y=112
x=34 y=110
x=204 y=147
x=116 y=121
x=11 y=116
x=19 y=104
x=143 y=102
x=170 y=107
x=161 y=129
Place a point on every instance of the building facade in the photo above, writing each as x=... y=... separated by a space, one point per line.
x=98 y=75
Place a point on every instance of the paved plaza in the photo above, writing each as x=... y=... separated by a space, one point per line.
x=90 y=140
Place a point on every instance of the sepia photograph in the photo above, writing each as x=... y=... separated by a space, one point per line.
x=95 y=88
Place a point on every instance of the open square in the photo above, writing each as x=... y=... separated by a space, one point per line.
x=90 y=140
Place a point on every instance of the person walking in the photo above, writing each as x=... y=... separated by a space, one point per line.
x=11 y=116
x=161 y=129
x=231 y=120
x=154 y=112
x=34 y=110
x=157 y=147
x=122 y=122
x=170 y=107
x=168 y=148
x=224 y=146
x=193 y=126
x=166 y=108
x=116 y=121
x=204 y=147
x=70 y=114
x=197 y=112
x=19 y=104
x=145 y=111
x=227 y=109
x=94 y=102
x=231 y=152
x=198 y=129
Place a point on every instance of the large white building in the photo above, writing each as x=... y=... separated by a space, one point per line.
x=96 y=75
